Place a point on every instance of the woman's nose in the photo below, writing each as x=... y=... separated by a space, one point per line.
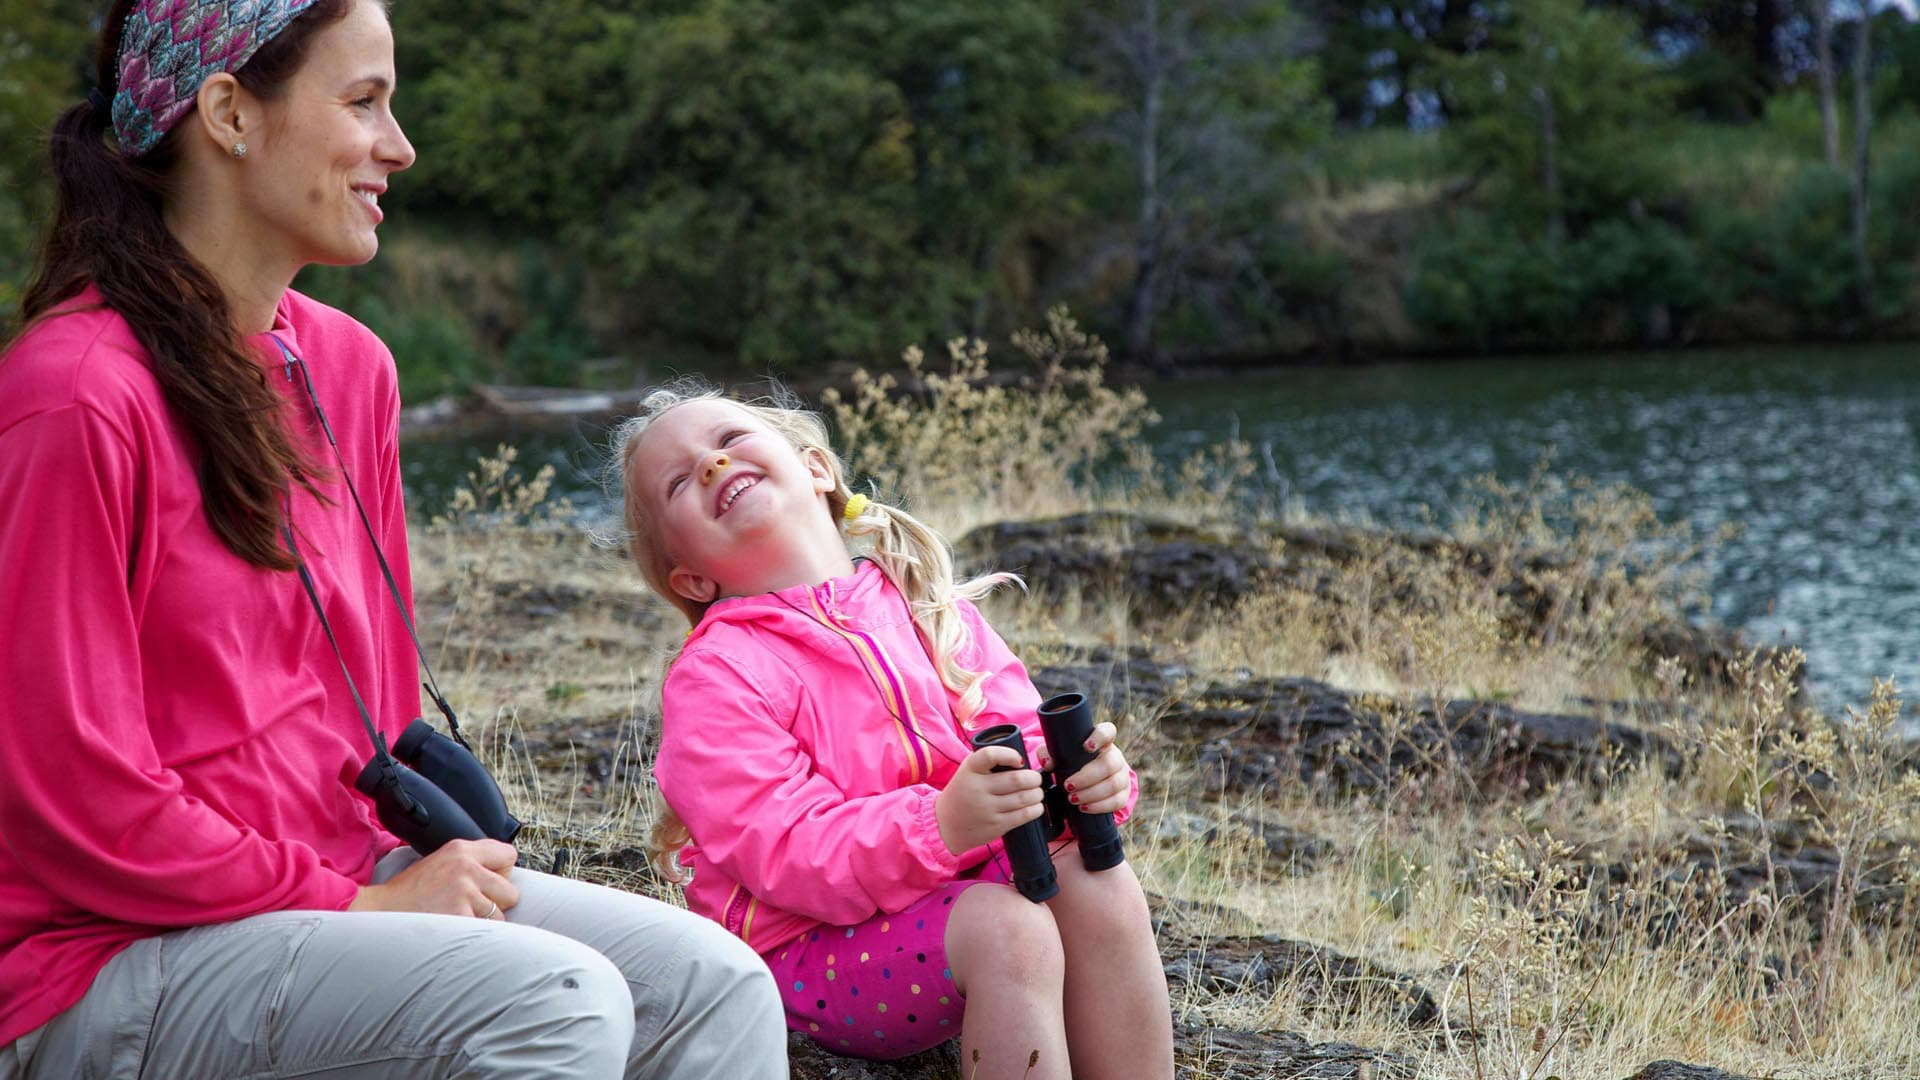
x=715 y=465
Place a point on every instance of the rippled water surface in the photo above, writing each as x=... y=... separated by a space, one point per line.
x=1813 y=453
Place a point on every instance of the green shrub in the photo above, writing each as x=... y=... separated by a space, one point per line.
x=1479 y=280
x=552 y=346
x=1642 y=264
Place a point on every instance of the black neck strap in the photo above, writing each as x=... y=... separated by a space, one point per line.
x=432 y=686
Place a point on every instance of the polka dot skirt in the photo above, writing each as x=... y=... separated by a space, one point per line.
x=882 y=989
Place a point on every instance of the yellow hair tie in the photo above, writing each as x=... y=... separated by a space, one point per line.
x=856 y=505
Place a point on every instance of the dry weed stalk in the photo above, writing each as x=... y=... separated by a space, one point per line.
x=496 y=512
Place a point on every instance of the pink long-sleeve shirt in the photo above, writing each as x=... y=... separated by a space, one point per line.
x=177 y=745
x=804 y=735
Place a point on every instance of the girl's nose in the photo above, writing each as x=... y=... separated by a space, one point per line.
x=715 y=465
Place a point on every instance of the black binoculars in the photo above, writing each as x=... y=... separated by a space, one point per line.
x=431 y=789
x=1066 y=720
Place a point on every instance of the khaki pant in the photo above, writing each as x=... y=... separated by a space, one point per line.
x=580 y=981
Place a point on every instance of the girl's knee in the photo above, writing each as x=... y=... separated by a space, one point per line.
x=1100 y=904
x=997 y=934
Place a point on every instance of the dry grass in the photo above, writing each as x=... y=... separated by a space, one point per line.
x=1577 y=931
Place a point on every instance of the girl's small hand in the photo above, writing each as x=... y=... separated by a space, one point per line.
x=1101 y=786
x=979 y=805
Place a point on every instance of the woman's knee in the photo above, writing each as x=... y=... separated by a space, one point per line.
x=561 y=1001
x=725 y=969
x=571 y=986
x=996 y=934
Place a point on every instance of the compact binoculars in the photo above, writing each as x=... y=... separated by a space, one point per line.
x=1066 y=720
x=431 y=789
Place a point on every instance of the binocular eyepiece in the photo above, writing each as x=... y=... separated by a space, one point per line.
x=431 y=789
x=1067 y=721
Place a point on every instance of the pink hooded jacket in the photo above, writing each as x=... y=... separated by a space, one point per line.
x=804 y=735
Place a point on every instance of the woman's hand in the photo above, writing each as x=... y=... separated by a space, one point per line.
x=466 y=877
x=979 y=805
x=1102 y=785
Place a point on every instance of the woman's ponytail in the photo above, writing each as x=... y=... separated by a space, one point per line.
x=108 y=230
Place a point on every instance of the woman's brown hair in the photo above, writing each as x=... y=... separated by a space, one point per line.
x=107 y=229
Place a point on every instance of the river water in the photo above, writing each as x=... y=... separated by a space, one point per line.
x=1813 y=453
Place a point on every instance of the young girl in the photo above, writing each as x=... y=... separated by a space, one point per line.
x=815 y=745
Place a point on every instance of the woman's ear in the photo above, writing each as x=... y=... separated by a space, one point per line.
x=226 y=114
x=825 y=482
x=695 y=587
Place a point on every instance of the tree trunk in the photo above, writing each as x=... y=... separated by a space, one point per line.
x=1141 y=303
x=1823 y=57
x=1862 y=140
x=1766 y=48
x=1550 y=162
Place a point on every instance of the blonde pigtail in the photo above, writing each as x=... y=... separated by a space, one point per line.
x=664 y=841
x=920 y=563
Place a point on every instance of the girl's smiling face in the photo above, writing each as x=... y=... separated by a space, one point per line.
x=725 y=492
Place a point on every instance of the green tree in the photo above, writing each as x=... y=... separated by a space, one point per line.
x=1377 y=59
x=44 y=60
x=1559 y=114
x=1213 y=99
x=777 y=181
x=1727 y=56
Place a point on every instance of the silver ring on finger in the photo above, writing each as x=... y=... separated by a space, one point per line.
x=492 y=910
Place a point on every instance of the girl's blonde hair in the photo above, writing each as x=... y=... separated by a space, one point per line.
x=915 y=557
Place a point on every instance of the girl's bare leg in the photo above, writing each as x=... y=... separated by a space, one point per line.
x=1007 y=963
x=1119 y=1023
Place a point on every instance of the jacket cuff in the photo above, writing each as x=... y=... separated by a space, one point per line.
x=931 y=850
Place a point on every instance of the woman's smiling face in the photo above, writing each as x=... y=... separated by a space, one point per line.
x=315 y=174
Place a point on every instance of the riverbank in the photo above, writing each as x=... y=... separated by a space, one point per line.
x=1453 y=805
x=1796 y=469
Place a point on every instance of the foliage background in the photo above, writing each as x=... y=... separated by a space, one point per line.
x=610 y=187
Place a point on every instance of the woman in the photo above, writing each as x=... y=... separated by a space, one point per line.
x=189 y=885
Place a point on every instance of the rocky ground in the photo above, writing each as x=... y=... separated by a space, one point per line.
x=1253 y=735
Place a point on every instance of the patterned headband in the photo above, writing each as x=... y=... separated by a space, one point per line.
x=169 y=47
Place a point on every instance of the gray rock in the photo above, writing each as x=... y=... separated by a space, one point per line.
x=1320 y=978
x=1259 y=734
x=1199 y=1052
x=808 y=1061
x=1674 y=1070
x=1164 y=567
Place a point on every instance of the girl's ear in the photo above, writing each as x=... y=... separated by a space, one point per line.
x=695 y=587
x=824 y=481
